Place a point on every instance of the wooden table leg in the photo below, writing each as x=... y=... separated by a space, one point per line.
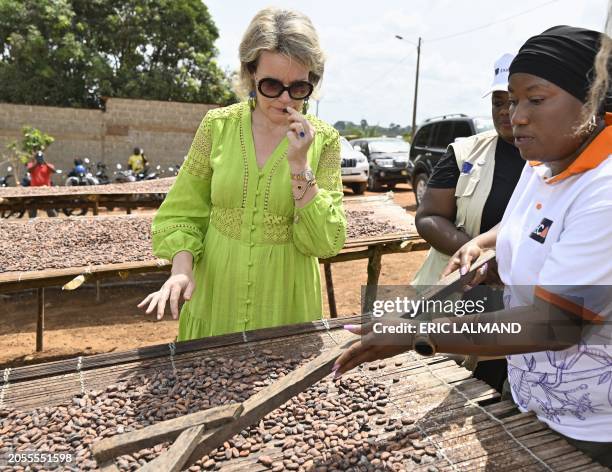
x=329 y=284
x=98 y=297
x=96 y=207
x=374 y=264
x=40 y=322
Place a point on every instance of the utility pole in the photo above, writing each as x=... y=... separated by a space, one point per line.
x=416 y=90
x=416 y=80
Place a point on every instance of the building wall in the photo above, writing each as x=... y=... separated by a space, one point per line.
x=163 y=129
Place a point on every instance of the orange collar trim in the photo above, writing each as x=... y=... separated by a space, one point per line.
x=534 y=163
x=567 y=305
x=595 y=153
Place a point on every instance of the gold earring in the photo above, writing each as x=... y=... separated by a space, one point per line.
x=305 y=107
x=592 y=126
x=252 y=100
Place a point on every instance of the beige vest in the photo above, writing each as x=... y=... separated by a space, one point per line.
x=471 y=192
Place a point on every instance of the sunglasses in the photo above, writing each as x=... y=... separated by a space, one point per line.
x=273 y=88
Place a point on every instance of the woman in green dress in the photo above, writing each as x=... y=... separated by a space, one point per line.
x=259 y=197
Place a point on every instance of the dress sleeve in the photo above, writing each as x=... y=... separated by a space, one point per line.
x=320 y=226
x=181 y=222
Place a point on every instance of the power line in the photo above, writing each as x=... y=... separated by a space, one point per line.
x=487 y=25
x=386 y=73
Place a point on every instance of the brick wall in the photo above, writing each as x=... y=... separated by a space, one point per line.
x=164 y=129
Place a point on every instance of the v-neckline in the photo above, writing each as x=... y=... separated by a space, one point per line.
x=279 y=150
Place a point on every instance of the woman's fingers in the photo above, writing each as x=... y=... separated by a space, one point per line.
x=368 y=354
x=355 y=329
x=478 y=277
x=152 y=303
x=189 y=290
x=298 y=129
x=452 y=266
x=175 y=295
x=161 y=304
x=346 y=359
x=465 y=262
x=146 y=300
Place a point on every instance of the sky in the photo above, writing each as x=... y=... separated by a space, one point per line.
x=370 y=74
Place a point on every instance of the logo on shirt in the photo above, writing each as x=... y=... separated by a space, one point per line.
x=539 y=234
x=466 y=168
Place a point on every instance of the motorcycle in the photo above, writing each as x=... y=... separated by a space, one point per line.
x=148 y=175
x=101 y=174
x=124 y=176
x=174 y=170
x=128 y=175
x=4 y=182
x=81 y=175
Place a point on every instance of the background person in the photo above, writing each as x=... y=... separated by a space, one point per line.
x=40 y=176
x=470 y=185
x=553 y=246
x=467 y=195
x=259 y=197
x=137 y=161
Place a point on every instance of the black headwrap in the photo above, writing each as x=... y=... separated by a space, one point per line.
x=563 y=55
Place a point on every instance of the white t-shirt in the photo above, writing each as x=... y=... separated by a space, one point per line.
x=556 y=235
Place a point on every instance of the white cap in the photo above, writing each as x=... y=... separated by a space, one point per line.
x=500 y=77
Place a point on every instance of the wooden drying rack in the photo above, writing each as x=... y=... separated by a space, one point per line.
x=372 y=249
x=127 y=196
x=460 y=417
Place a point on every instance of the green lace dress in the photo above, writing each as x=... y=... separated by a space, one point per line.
x=255 y=254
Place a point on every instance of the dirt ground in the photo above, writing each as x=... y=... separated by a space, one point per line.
x=76 y=324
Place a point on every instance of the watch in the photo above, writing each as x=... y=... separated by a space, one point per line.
x=422 y=345
x=306 y=176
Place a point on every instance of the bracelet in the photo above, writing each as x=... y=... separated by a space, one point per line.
x=305 y=176
x=310 y=183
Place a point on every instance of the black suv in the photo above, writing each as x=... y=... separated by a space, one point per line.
x=431 y=140
x=389 y=160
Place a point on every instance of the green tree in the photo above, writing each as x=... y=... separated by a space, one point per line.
x=33 y=140
x=74 y=52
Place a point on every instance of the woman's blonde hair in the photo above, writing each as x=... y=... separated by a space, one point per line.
x=286 y=32
x=601 y=88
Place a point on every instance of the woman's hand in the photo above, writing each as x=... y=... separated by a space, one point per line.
x=463 y=260
x=300 y=135
x=366 y=350
x=171 y=290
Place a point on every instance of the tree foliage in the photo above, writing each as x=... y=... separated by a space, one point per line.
x=74 y=52
x=362 y=130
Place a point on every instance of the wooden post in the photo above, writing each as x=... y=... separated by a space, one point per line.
x=96 y=207
x=329 y=284
x=40 y=322
x=374 y=264
x=98 y=298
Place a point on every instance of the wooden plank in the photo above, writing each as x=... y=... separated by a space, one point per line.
x=374 y=266
x=108 y=466
x=455 y=281
x=16 y=281
x=168 y=430
x=40 y=319
x=96 y=361
x=329 y=286
x=175 y=457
